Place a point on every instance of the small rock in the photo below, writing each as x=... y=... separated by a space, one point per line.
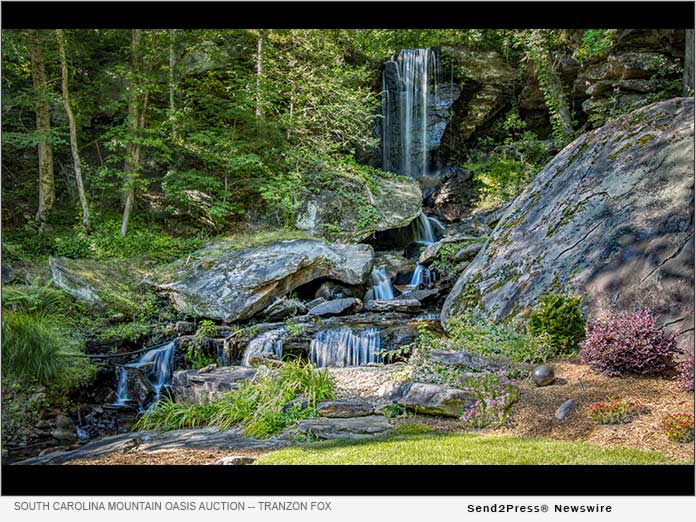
x=564 y=409
x=185 y=327
x=236 y=460
x=64 y=435
x=208 y=369
x=302 y=402
x=117 y=318
x=350 y=428
x=436 y=399
x=543 y=375
x=337 y=307
x=64 y=422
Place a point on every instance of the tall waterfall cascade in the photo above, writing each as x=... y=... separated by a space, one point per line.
x=415 y=110
x=343 y=347
x=270 y=342
x=157 y=365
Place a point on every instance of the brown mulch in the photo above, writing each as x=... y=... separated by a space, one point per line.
x=533 y=414
x=168 y=456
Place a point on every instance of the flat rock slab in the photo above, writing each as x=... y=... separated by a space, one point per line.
x=197 y=386
x=434 y=399
x=206 y=438
x=463 y=360
x=345 y=409
x=409 y=306
x=352 y=428
x=337 y=307
x=227 y=283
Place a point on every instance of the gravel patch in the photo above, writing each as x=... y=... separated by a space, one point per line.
x=364 y=382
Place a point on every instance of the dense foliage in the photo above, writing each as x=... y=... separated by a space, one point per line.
x=628 y=343
x=560 y=318
x=686 y=372
x=264 y=406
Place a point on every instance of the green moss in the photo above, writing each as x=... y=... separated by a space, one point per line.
x=645 y=139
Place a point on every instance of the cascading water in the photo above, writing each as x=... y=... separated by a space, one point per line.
x=382 y=288
x=156 y=364
x=266 y=343
x=427 y=229
x=415 y=80
x=342 y=347
x=421 y=276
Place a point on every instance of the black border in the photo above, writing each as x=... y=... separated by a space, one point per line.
x=397 y=480
x=348 y=480
x=348 y=15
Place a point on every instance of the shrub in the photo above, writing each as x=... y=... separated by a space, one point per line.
x=495 y=394
x=31 y=347
x=33 y=298
x=629 y=343
x=679 y=427
x=477 y=335
x=686 y=373
x=616 y=411
x=560 y=317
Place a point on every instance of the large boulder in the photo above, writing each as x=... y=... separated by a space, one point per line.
x=98 y=283
x=435 y=399
x=354 y=210
x=609 y=218
x=345 y=428
x=224 y=282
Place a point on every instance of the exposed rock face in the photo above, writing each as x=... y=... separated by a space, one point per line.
x=610 y=218
x=351 y=428
x=486 y=81
x=194 y=386
x=434 y=399
x=412 y=306
x=222 y=282
x=345 y=408
x=394 y=205
x=455 y=196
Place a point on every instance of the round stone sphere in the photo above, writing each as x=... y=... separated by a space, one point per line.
x=543 y=375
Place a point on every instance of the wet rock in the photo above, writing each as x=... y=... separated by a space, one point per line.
x=543 y=375
x=345 y=408
x=284 y=308
x=464 y=360
x=194 y=386
x=425 y=295
x=610 y=218
x=331 y=291
x=64 y=435
x=227 y=283
x=64 y=422
x=236 y=460
x=337 y=307
x=409 y=306
x=350 y=428
x=564 y=409
x=185 y=327
x=435 y=399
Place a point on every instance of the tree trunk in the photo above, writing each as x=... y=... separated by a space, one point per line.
x=47 y=191
x=259 y=72
x=689 y=63
x=172 y=81
x=73 y=129
x=136 y=117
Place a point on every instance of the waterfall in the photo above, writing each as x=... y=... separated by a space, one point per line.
x=416 y=74
x=268 y=342
x=382 y=288
x=157 y=365
x=421 y=275
x=343 y=347
x=427 y=229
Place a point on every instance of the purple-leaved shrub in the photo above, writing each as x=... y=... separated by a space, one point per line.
x=686 y=372
x=628 y=343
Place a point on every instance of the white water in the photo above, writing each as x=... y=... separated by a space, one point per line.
x=158 y=364
x=342 y=347
x=418 y=71
x=421 y=276
x=268 y=342
x=382 y=288
x=427 y=228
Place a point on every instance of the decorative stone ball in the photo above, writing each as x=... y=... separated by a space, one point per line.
x=543 y=375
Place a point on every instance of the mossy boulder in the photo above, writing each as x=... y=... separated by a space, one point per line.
x=610 y=218
x=353 y=209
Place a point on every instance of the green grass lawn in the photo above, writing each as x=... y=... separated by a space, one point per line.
x=459 y=448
